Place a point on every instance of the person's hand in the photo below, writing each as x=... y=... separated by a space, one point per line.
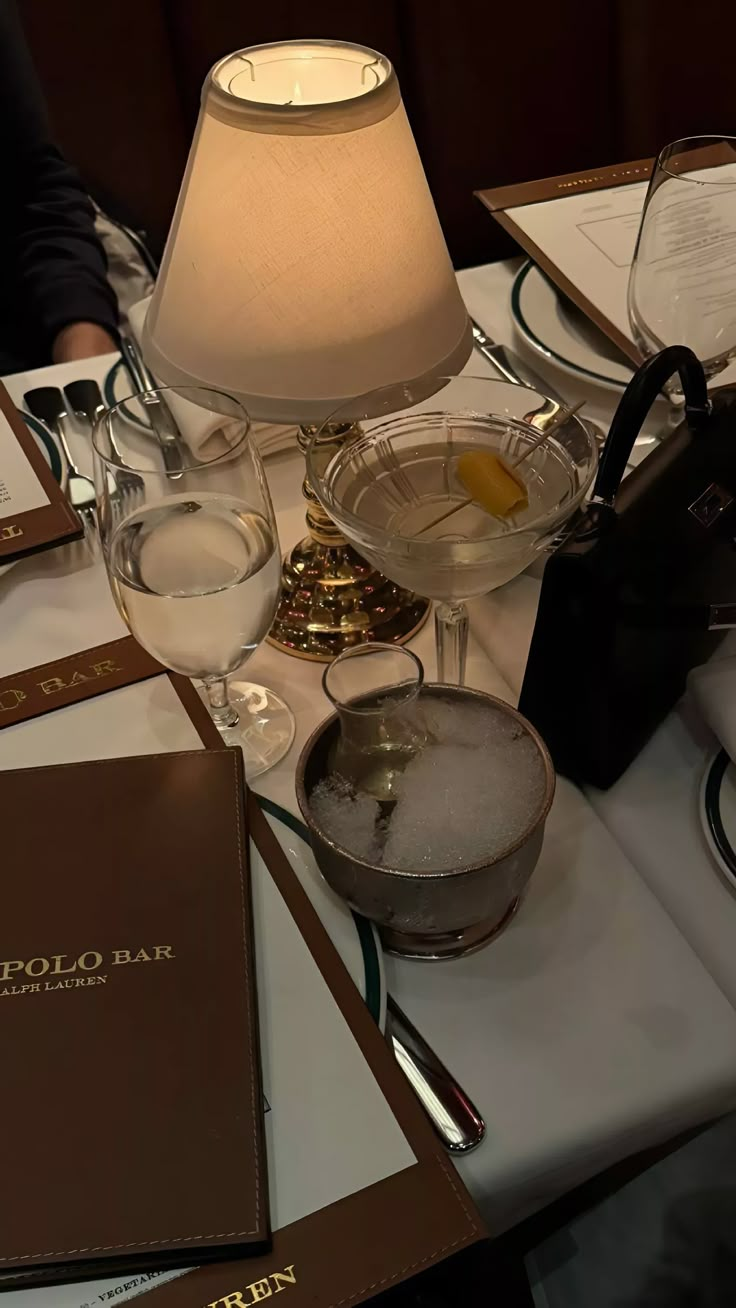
x=80 y=340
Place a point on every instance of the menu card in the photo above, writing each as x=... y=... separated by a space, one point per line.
x=34 y=512
x=128 y=1018
x=581 y=229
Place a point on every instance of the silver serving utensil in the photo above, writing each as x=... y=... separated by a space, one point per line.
x=453 y=1116
x=48 y=404
x=163 y=423
x=513 y=368
x=86 y=400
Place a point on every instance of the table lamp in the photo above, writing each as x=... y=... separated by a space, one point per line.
x=306 y=265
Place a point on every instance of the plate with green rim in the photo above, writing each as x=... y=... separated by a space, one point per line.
x=46 y=442
x=354 y=937
x=554 y=327
x=118 y=386
x=717 y=807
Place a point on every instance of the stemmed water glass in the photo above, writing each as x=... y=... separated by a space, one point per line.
x=682 y=285
x=390 y=489
x=193 y=555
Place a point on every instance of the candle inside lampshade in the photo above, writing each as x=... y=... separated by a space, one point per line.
x=305 y=262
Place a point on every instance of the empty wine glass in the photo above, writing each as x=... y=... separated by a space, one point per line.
x=395 y=493
x=682 y=285
x=192 y=553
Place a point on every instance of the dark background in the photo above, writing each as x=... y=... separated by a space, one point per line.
x=496 y=92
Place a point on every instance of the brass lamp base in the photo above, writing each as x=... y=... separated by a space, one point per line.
x=331 y=598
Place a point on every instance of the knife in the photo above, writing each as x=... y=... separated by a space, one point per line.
x=514 y=369
x=455 y=1119
x=163 y=423
x=511 y=366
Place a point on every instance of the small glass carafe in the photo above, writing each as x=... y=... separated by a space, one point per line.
x=375 y=689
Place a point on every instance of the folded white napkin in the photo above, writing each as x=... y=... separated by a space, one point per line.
x=713 y=687
x=204 y=433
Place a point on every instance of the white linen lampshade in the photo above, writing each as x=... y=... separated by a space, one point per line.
x=305 y=262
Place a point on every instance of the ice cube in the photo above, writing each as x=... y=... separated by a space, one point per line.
x=353 y=821
x=465 y=798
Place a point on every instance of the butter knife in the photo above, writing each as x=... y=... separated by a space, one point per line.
x=163 y=423
x=514 y=369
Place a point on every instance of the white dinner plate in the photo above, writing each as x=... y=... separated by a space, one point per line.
x=355 y=938
x=50 y=450
x=718 y=812
x=559 y=331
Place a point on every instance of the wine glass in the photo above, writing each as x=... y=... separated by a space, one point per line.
x=682 y=284
x=390 y=489
x=192 y=551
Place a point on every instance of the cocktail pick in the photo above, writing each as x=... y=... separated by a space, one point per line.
x=493 y=476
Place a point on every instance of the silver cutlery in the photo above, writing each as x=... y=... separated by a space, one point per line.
x=513 y=368
x=48 y=404
x=452 y=1114
x=86 y=400
x=162 y=421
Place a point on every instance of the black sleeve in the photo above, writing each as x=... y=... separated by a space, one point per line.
x=52 y=255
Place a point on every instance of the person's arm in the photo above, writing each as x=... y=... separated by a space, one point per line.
x=80 y=340
x=66 y=305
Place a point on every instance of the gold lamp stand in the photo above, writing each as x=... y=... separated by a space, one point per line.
x=332 y=598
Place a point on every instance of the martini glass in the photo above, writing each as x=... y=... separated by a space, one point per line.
x=387 y=487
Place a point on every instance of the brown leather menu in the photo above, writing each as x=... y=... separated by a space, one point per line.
x=50 y=686
x=364 y=1198
x=34 y=512
x=130 y=1094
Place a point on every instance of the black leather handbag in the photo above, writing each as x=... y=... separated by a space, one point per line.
x=644 y=587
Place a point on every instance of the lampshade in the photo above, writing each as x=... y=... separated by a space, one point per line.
x=305 y=262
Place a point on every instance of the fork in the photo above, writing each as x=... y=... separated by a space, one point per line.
x=47 y=403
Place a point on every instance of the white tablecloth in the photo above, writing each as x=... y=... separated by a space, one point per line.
x=653 y=813
x=590 y=1028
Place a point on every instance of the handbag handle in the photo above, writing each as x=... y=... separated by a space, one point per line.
x=635 y=404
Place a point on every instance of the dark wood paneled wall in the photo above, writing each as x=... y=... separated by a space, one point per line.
x=496 y=92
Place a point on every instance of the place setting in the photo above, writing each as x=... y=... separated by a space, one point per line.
x=364 y=887
x=607 y=285
x=553 y=327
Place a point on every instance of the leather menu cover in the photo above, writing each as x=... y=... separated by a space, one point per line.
x=130 y=1094
x=416 y=1219
x=34 y=512
x=58 y=684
